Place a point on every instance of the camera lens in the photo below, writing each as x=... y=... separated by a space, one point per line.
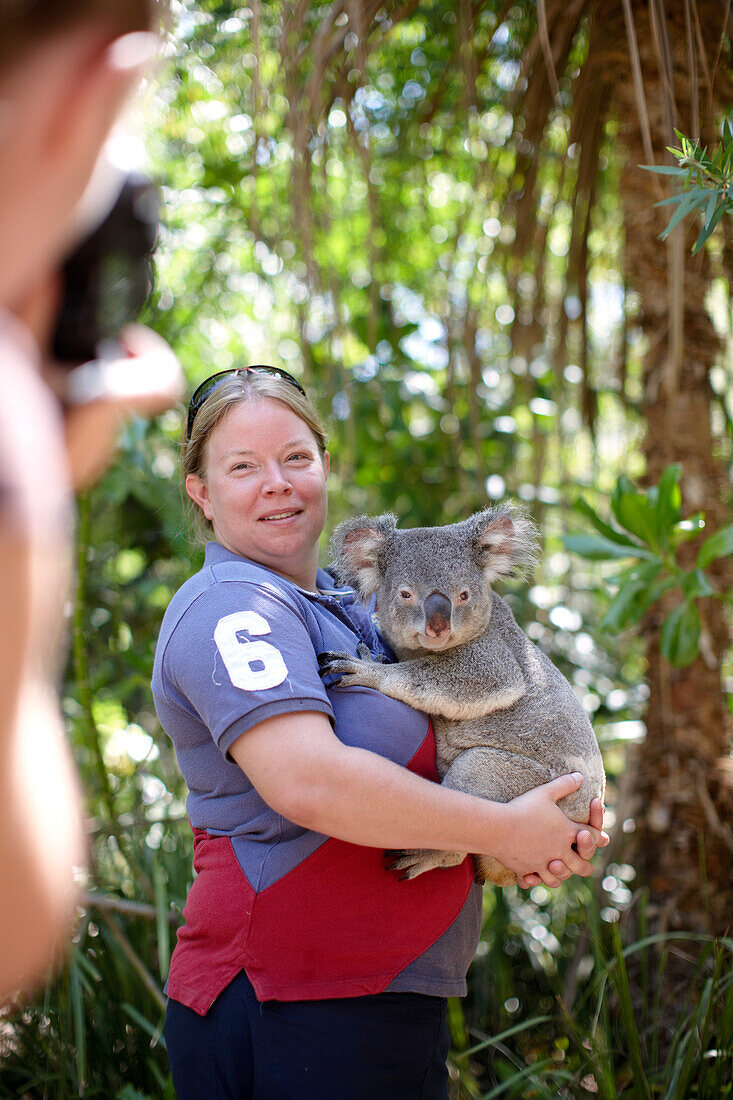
x=109 y=276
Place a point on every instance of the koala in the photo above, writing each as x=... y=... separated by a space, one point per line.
x=505 y=719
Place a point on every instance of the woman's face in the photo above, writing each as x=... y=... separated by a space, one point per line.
x=264 y=488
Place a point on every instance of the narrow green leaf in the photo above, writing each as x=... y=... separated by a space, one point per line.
x=493 y=1040
x=634 y=599
x=154 y=1030
x=671 y=200
x=706 y=232
x=623 y=610
x=645 y=571
x=719 y=545
x=686 y=207
x=612 y=533
x=663 y=169
x=710 y=210
x=597 y=548
x=669 y=501
x=702 y=237
x=77 y=1007
x=695 y=585
x=129 y=1092
x=536 y=1073
x=635 y=512
x=690 y=1062
x=640 y=1086
x=657 y=589
x=163 y=929
x=680 y=635
x=686 y=201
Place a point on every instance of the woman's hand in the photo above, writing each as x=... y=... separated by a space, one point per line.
x=537 y=830
x=144 y=380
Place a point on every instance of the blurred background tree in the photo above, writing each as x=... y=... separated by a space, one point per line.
x=432 y=211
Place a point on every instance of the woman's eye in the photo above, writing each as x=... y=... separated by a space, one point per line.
x=462 y=596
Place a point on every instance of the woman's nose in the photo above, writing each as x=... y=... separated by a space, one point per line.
x=275 y=480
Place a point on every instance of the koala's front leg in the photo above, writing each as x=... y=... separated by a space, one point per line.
x=419 y=683
x=361 y=671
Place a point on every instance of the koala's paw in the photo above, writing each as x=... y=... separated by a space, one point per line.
x=415 y=861
x=342 y=666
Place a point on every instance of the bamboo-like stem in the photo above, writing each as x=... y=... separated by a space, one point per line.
x=646 y=130
x=547 y=49
x=79 y=658
x=110 y=903
x=134 y=959
x=83 y=683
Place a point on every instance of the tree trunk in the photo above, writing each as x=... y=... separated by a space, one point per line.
x=685 y=843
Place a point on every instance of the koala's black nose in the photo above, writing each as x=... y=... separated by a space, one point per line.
x=437 y=614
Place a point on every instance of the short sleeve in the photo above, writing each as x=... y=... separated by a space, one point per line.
x=241 y=653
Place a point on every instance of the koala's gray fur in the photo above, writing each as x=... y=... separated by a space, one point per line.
x=505 y=718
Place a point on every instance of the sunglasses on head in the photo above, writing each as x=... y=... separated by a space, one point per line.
x=207 y=387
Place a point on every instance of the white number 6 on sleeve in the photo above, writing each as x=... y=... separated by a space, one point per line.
x=252 y=666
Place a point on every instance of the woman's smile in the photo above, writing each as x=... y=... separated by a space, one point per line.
x=282 y=515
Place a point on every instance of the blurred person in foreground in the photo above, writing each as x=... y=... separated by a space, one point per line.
x=66 y=70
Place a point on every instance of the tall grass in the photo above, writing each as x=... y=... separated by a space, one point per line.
x=652 y=1021
x=623 y=1030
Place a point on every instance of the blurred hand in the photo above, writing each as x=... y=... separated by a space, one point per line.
x=146 y=379
x=102 y=396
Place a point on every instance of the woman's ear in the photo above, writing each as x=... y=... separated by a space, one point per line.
x=199 y=494
x=326 y=462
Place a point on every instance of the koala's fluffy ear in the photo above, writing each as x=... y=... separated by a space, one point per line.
x=358 y=551
x=505 y=541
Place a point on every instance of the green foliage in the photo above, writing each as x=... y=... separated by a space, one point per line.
x=650 y=530
x=606 y=1028
x=348 y=209
x=97 y=1032
x=706 y=183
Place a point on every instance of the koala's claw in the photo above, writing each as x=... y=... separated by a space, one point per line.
x=409 y=862
x=415 y=861
x=326 y=657
x=335 y=664
x=396 y=865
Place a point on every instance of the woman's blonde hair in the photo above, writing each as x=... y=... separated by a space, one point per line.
x=246 y=387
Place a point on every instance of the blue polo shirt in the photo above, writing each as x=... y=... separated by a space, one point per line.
x=306 y=916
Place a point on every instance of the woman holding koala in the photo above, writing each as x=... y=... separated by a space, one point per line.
x=305 y=968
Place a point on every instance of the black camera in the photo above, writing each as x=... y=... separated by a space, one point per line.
x=109 y=276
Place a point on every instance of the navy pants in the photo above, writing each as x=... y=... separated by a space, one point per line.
x=391 y=1046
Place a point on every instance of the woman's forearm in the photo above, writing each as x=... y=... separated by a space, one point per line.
x=303 y=772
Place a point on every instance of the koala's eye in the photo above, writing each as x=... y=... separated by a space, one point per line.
x=405 y=594
x=462 y=597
